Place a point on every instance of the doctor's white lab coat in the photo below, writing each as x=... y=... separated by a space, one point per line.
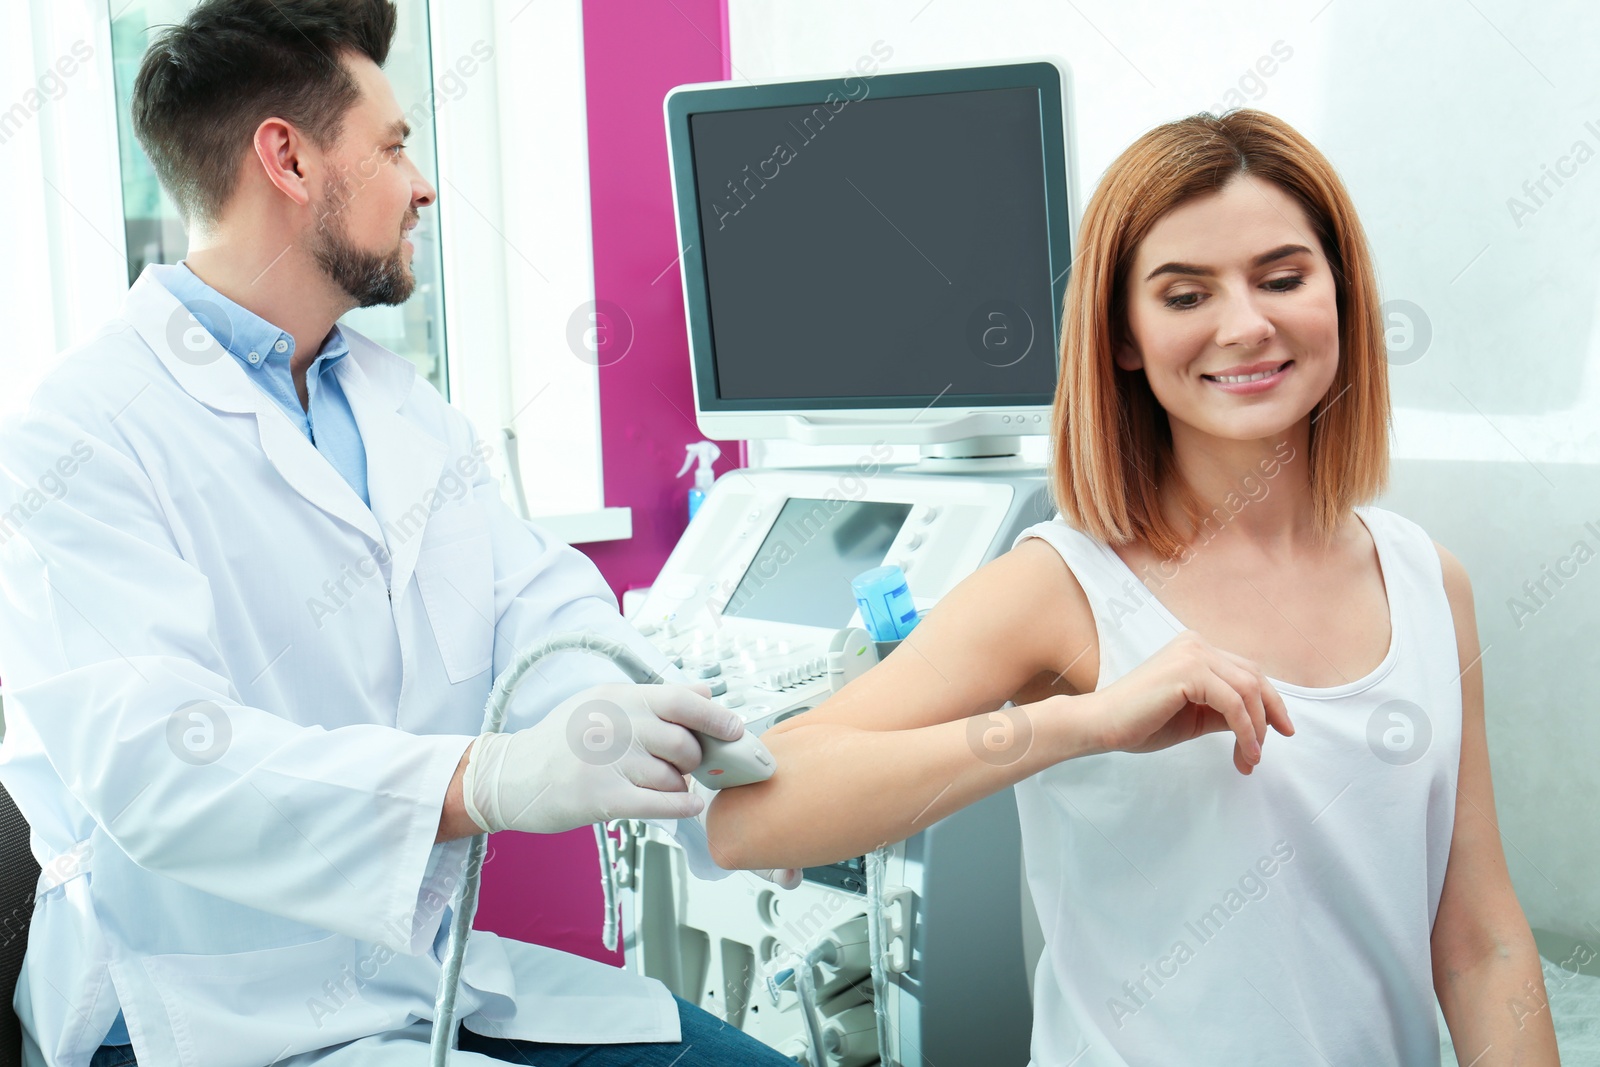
x=235 y=697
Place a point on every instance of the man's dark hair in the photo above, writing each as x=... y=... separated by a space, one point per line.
x=206 y=84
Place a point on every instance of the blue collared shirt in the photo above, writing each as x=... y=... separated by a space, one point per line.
x=264 y=351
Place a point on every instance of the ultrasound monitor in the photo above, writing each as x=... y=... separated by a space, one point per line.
x=875 y=258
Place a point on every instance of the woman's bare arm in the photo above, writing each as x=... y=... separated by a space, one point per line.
x=1486 y=968
x=919 y=736
x=895 y=751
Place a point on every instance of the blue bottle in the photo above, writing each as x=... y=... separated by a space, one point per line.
x=885 y=602
x=707 y=453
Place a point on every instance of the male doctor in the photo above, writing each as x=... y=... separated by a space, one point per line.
x=255 y=583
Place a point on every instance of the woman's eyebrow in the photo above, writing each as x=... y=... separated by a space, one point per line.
x=1205 y=272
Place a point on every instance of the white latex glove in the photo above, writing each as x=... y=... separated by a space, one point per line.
x=610 y=752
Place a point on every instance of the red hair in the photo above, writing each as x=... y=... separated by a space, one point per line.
x=1113 y=443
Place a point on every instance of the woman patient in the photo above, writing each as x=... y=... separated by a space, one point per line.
x=1215 y=576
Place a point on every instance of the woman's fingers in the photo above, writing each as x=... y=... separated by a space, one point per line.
x=1216 y=693
x=1189 y=686
x=1249 y=686
x=1277 y=713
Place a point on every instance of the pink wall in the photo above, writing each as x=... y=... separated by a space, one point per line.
x=634 y=53
x=547 y=889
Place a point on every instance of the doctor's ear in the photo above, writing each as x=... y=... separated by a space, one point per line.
x=280 y=149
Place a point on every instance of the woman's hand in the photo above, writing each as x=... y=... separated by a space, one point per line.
x=1189 y=688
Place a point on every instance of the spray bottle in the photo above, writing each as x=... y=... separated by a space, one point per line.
x=706 y=453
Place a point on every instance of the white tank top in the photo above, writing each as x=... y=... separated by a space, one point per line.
x=1194 y=915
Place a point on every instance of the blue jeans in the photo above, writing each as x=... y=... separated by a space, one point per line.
x=707 y=1042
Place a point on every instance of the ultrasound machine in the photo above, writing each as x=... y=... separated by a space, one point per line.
x=869 y=262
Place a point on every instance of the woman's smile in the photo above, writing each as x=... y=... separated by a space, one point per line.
x=1251 y=379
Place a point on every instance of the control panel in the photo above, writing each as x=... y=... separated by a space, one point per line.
x=760 y=583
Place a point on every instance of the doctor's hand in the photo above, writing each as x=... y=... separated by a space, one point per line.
x=610 y=752
x=1190 y=687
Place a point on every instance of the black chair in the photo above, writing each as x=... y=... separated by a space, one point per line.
x=19 y=876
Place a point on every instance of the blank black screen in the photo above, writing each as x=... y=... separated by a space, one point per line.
x=890 y=247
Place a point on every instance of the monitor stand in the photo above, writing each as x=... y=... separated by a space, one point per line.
x=972 y=455
x=974 y=448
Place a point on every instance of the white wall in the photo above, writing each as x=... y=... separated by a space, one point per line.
x=1435 y=112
